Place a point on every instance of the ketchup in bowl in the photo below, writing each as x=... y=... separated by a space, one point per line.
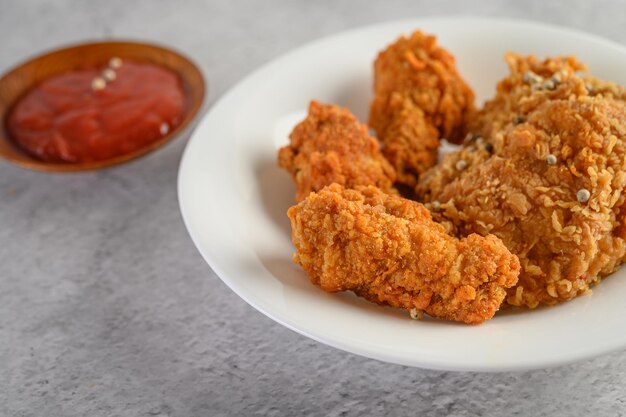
x=97 y=113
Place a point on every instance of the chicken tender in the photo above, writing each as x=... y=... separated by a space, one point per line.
x=388 y=250
x=331 y=146
x=419 y=97
x=545 y=173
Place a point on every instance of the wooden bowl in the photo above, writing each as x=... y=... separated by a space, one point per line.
x=15 y=83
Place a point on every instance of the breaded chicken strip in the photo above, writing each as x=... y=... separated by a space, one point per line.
x=548 y=177
x=419 y=97
x=388 y=250
x=331 y=146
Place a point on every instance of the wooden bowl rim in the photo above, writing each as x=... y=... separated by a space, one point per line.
x=193 y=107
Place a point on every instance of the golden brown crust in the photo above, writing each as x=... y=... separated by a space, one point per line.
x=513 y=92
x=419 y=98
x=544 y=147
x=388 y=250
x=331 y=146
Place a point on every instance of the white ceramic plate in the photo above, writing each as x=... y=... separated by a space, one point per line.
x=233 y=199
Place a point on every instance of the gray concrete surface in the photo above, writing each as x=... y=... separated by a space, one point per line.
x=107 y=309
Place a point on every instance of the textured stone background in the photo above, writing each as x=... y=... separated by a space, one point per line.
x=107 y=309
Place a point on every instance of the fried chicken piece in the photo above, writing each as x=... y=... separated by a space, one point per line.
x=547 y=177
x=419 y=97
x=331 y=146
x=388 y=250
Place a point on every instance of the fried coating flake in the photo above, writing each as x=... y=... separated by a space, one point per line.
x=547 y=176
x=332 y=146
x=419 y=97
x=388 y=250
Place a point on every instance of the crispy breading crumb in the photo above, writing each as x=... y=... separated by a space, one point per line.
x=416 y=314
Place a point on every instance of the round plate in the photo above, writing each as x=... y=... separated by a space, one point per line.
x=234 y=199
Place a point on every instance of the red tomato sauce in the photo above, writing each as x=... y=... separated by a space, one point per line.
x=93 y=114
